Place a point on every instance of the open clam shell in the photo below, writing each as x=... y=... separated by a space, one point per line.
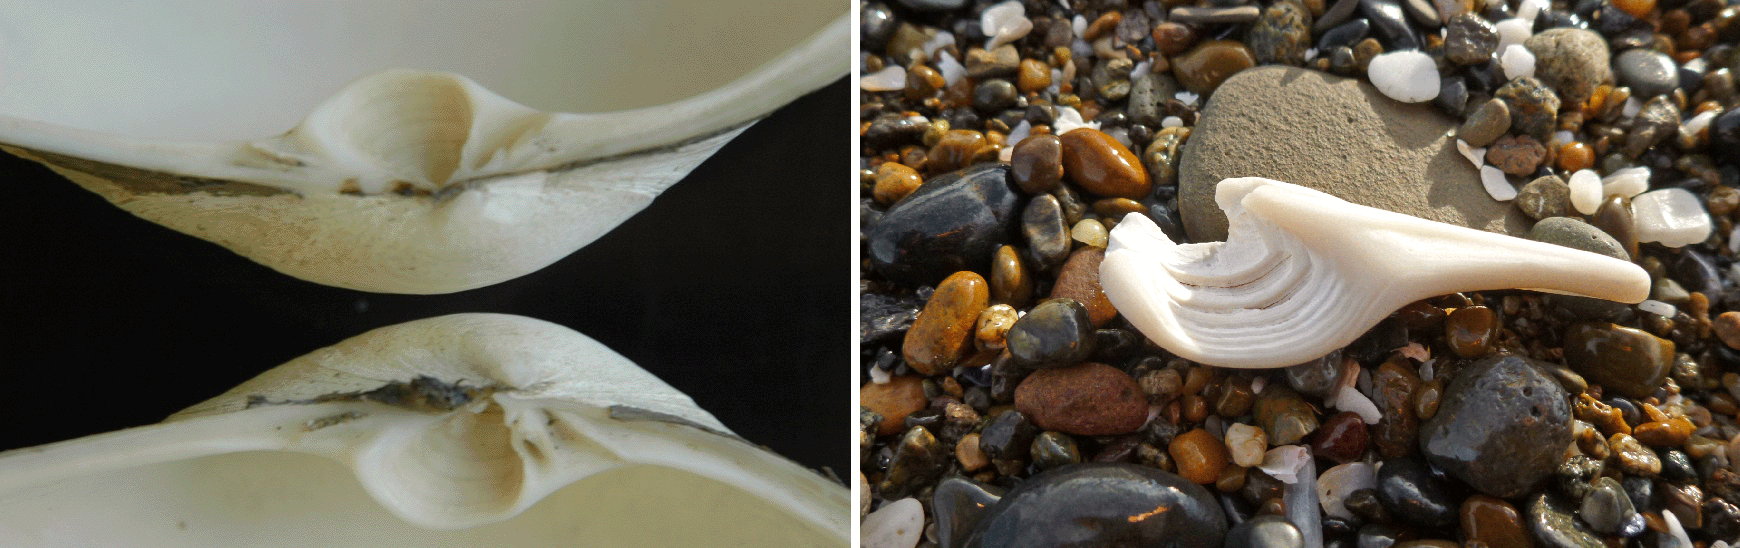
x=414 y=177
x=462 y=430
x=1303 y=273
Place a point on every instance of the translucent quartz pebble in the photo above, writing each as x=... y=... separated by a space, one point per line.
x=1336 y=483
x=1004 y=23
x=1513 y=31
x=1658 y=308
x=952 y=70
x=898 y=524
x=1585 y=191
x=1517 y=61
x=1626 y=182
x=1407 y=76
x=888 y=79
x=1496 y=185
x=1286 y=462
x=1672 y=216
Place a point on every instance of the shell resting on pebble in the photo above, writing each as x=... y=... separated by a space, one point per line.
x=462 y=430
x=406 y=180
x=1303 y=273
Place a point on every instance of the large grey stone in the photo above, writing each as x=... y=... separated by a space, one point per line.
x=1337 y=135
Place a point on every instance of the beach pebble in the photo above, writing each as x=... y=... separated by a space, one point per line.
x=1627 y=182
x=1199 y=456
x=1264 y=531
x=1281 y=34
x=1513 y=31
x=1534 y=108
x=1572 y=61
x=1486 y=124
x=1672 y=216
x=1501 y=427
x=1286 y=463
x=1247 y=444
x=943 y=332
x=892 y=78
x=1517 y=61
x=1341 y=438
x=1626 y=361
x=953 y=222
x=1544 y=197
x=1496 y=185
x=1092 y=503
x=1410 y=492
x=1407 y=76
x=1004 y=23
x=1089 y=399
x=1103 y=166
x=1204 y=67
x=1079 y=279
x=898 y=524
x=1647 y=72
x=1055 y=333
x=1585 y=191
x=1516 y=155
x=1469 y=40
x=1493 y=521
x=1339 y=481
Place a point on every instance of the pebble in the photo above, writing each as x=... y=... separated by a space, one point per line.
x=1669 y=433
x=1492 y=179
x=1517 y=155
x=994 y=95
x=1090 y=232
x=1623 y=360
x=967 y=453
x=1513 y=31
x=1672 y=216
x=1005 y=22
x=1545 y=197
x=1148 y=95
x=1344 y=35
x=1408 y=76
x=1010 y=282
x=1393 y=390
x=1647 y=72
x=943 y=333
x=1654 y=123
x=1000 y=62
x=1493 y=521
x=1008 y=436
x=895 y=181
x=1575 y=156
x=1517 y=61
x=1281 y=34
x=1633 y=457
x=1102 y=165
x=1727 y=328
x=1206 y=66
x=1054 y=449
x=1409 y=492
x=1044 y=225
x=1334 y=15
x=1469 y=40
x=1391 y=24
x=1585 y=192
x=958 y=505
x=1339 y=482
x=898 y=524
x=1486 y=124
x=953 y=222
x=1037 y=164
x=933 y=5
x=1576 y=234
x=1502 y=426
x=1079 y=279
x=1341 y=438
x=1214 y=14
x=1199 y=456
x=954 y=150
x=1285 y=416
x=919 y=459
x=1247 y=444
x=1097 y=504
x=1055 y=333
x=888 y=79
x=1615 y=218
x=1316 y=378
x=1161 y=156
x=1533 y=107
x=1032 y=76
x=894 y=400
x=1090 y=399
x=1553 y=525
x=1265 y=531
x=1572 y=61
x=1268 y=122
x=1470 y=330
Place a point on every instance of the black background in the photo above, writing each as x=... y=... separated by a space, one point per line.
x=734 y=287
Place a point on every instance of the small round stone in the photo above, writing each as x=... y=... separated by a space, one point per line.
x=1469 y=40
x=954 y=150
x=1517 y=155
x=1265 y=531
x=894 y=181
x=1285 y=416
x=1090 y=232
x=1534 y=108
x=1621 y=359
x=1570 y=60
x=1470 y=330
x=894 y=400
x=1056 y=333
x=1727 y=328
x=1102 y=165
x=1036 y=163
x=967 y=452
x=942 y=334
x=1090 y=399
x=1044 y=223
x=1637 y=8
x=1544 y=197
x=1054 y=449
x=1669 y=433
x=1199 y=456
x=1281 y=34
x=1247 y=444
x=992 y=329
x=953 y=222
x=1408 y=76
x=1409 y=492
x=1486 y=124
x=1010 y=282
x=1493 y=521
x=1033 y=76
x=1204 y=67
x=1647 y=72
x=1341 y=438
x=1079 y=279
x=1575 y=156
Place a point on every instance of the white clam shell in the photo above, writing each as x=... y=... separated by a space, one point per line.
x=406 y=180
x=1303 y=273
x=462 y=430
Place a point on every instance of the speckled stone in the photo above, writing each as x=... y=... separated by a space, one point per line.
x=943 y=332
x=1098 y=504
x=1103 y=166
x=1281 y=35
x=953 y=222
x=1621 y=359
x=1079 y=279
x=1292 y=125
x=1395 y=433
x=1502 y=426
x=1469 y=40
x=1090 y=399
x=1285 y=416
x=1534 y=108
x=1655 y=122
x=1570 y=60
x=1551 y=521
x=1517 y=155
x=1544 y=198
x=1576 y=234
x=918 y=460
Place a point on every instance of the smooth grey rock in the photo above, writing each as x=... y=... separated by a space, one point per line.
x=1337 y=135
x=1647 y=72
x=1576 y=234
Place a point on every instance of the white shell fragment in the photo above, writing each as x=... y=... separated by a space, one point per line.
x=888 y=79
x=1585 y=191
x=1349 y=398
x=404 y=173
x=1673 y=216
x=1408 y=76
x=1496 y=184
x=1286 y=462
x=1341 y=480
x=1004 y=23
x=1476 y=156
x=898 y=524
x=1303 y=273
x=462 y=430
x=1627 y=182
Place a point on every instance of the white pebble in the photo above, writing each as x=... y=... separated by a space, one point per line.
x=1426 y=368
x=1734 y=247
x=1141 y=69
x=1407 y=76
x=1350 y=399
x=1496 y=185
x=1672 y=216
x=1341 y=480
x=1188 y=98
x=1056 y=86
x=1696 y=65
x=1477 y=156
x=1585 y=191
x=1247 y=444
x=887 y=79
x=1517 y=62
x=1004 y=23
x=1069 y=119
x=1658 y=308
x=941 y=40
x=1627 y=182
x=1285 y=462
x=1528 y=9
x=1632 y=105
x=1311 y=54
x=952 y=70
x=1513 y=31
x=879 y=375
x=1564 y=136
x=1700 y=122
x=898 y=524
x=1258 y=383
x=1171 y=121
x=1676 y=536
x=1079 y=25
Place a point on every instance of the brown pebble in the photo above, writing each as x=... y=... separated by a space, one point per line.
x=1010 y=283
x=954 y=150
x=1634 y=458
x=967 y=451
x=1493 y=521
x=1208 y=64
x=1161 y=385
x=1195 y=407
x=1576 y=156
x=894 y=181
x=941 y=334
x=1395 y=433
x=1231 y=480
x=1090 y=399
x=1036 y=164
x=1727 y=327
x=993 y=325
x=1670 y=433
x=1426 y=399
x=1723 y=200
x=1172 y=38
x=1235 y=398
x=894 y=400
x=1117 y=208
x=1615 y=218
x=1517 y=155
x=1601 y=415
x=1079 y=279
x=1199 y=456
x=923 y=82
x=1470 y=331
x=1102 y=166
x=1102 y=25
x=1034 y=76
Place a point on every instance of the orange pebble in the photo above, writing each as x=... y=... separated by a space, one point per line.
x=1200 y=457
x=1575 y=156
x=1637 y=8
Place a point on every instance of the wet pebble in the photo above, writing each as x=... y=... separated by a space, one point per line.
x=1341 y=438
x=1161 y=156
x=1010 y=282
x=1470 y=330
x=1633 y=457
x=919 y=459
x=1501 y=428
x=1079 y=279
x=894 y=400
x=1055 y=333
x=1204 y=67
x=1493 y=521
x=1102 y=165
x=1148 y=95
x=1036 y=164
x=1265 y=531
x=1658 y=120
x=894 y=181
x=959 y=504
x=942 y=335
x=1007 y=436
x=1647 y=72
x=1285 y=416
x=1552 y=521
x=1727 y=328
x=1090 y=399
x=1410 y=492
x=1608 y=510
x=1344 y=35
x=1054 y=449
x=1199 y=455
x=1047 y=232
x=1099 y=503
x=1572 y=61
x=1623 y=360
x=954 y=222
x=1394 y=434
x=1246 y=444
x=1614 y=217
x=1318 y=378
x=1390 y=23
